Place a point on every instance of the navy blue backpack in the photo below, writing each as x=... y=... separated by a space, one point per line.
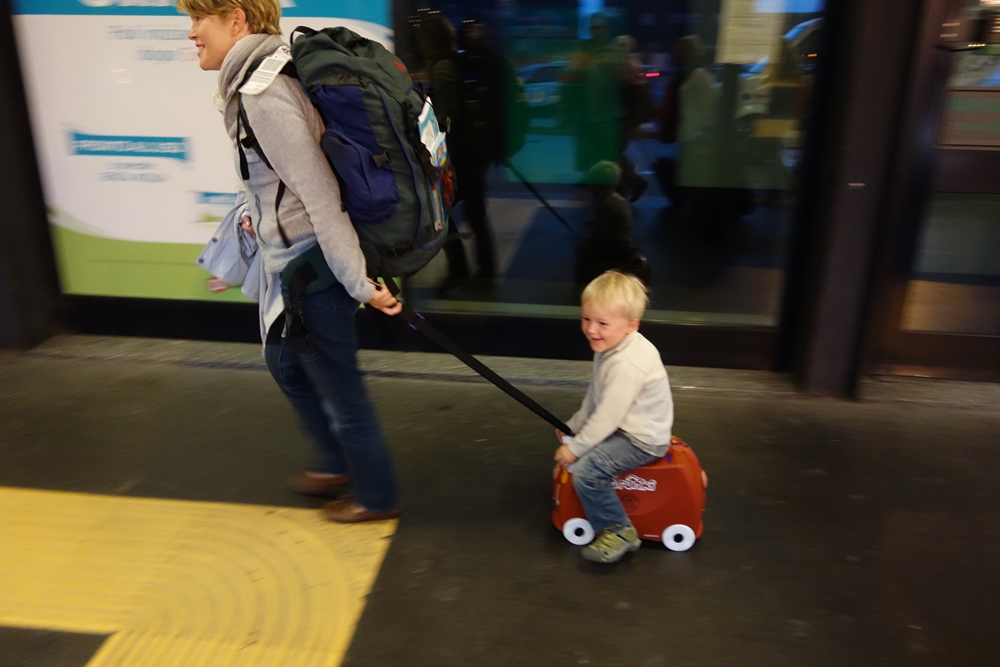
x=383 y=143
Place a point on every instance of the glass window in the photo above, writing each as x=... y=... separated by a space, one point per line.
x=955 y=283
x=662 y=137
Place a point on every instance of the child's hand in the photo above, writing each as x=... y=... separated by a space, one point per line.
x=565 y=457
x=559 y=436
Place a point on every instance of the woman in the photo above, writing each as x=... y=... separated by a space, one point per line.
x=311 y=250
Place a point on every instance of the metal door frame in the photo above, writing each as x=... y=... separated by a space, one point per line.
x=921 y=169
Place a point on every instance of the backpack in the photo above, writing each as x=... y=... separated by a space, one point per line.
x=494 y=103
x=379 y=137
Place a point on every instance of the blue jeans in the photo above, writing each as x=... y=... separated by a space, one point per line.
x=320 y=377
x=592 y=477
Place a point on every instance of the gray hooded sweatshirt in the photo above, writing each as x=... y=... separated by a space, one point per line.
x=288 y=128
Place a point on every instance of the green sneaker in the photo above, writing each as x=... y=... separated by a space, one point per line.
x=611 y=546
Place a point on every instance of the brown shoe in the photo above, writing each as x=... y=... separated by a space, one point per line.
x=318 y=483
x=346 y=511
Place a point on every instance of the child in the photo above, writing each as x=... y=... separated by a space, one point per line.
x=626 y=416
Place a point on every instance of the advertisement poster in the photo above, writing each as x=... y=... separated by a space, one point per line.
x=136 y=166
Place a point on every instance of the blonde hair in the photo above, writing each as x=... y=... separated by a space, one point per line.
x=618 y=292
x=262 y=15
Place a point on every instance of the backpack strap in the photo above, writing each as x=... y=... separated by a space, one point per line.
x=249 y=141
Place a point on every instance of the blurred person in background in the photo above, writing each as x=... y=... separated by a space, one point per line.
x=310 y=344
x=689 y=117
x=606 y=101
x=697 y=117
x=788 y=106
x=638 y=109
x=467 y=93
x=608 y=244
x=593 y=88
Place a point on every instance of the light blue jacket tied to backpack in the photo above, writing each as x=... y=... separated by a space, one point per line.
x=231 y=254
x=381 y=138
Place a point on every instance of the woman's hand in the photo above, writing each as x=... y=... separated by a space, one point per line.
x=384 y=300
x=247 y=225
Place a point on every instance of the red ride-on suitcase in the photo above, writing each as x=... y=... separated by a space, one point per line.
x=664 y=500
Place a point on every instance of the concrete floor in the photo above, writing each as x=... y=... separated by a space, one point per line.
x=837 y=533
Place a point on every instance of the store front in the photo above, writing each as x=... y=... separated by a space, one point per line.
x=699 y=108
x=937 y=311
x=764 y=164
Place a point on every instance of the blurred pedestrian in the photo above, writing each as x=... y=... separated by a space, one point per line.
x=608 y=244
x=473 y=143
x=637 y=107
x=593 y=87
x=606 y=100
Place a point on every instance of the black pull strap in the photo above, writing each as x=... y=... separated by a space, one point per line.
x=417 y=321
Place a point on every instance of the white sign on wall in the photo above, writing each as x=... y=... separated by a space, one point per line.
x=749 y=30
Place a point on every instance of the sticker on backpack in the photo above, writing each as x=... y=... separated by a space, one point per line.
x=434 y=140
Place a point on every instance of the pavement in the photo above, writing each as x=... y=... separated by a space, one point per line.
x=145 y=520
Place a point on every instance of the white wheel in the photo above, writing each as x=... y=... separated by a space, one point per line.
x=578 y=531
x=678 y=537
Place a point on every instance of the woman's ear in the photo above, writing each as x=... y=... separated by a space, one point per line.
x=239 y=21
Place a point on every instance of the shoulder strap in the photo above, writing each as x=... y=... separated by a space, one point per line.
x=249 y=140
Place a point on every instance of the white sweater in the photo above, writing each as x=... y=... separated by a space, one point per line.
x=629 y=390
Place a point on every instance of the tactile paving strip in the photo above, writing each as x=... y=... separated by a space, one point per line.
x=186 y=583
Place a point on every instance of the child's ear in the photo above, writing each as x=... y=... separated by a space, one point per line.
x=633 y=326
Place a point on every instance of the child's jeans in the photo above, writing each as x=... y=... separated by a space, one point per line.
x=592 y=477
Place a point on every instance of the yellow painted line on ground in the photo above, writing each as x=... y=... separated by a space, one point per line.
x=186 y=583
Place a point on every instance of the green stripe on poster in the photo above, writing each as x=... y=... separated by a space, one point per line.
x=98 y=266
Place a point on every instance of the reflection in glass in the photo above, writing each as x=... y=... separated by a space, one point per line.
x=659 y=137
x=955 y=284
